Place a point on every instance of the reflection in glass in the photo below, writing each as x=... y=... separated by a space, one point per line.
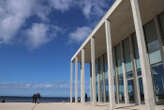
x=152 y=43
x=131 y=91
x=102 y=85
x=106 y=78
x=158 y=78
x=127 y=58
x=120 y=74
x=136 y=53
x=141 y=90
x=129 y=74
x=129 y=69
x=155 y=61
x=139 y=73
x=96 y=79
x=116 y=88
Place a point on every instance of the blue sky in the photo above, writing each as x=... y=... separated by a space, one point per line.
x=38 y=39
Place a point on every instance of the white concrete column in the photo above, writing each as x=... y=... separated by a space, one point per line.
x=76 y=80
x=110 y=63
x=124 y=75
x=93 y=70
x=71 y=80
x=83 y=76
x=144 y=60
x=136 y=82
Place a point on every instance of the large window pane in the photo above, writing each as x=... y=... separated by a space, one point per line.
x=120 y=73
x=97 y=70
x=136 y=53
x=127 y=55
x=127 y=58
x=152 y=43
x=106 y=77
x=131 y=91
x=161 y=18
x=158 y=78
x=102 y=79
x=141 y=90
x=116 y=88
x=155 y=61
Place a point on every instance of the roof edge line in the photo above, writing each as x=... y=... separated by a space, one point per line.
x=108 y=13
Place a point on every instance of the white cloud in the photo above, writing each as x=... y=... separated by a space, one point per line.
x=88 y=7
x=40 y=34
x=13 y=14
x=37 y=35
x=56 y=84
x=41 y=10
x=61 y=5
x=26 y=85
x=79 y=34
x=93 y=7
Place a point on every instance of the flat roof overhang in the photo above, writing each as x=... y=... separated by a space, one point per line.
x=122 y=25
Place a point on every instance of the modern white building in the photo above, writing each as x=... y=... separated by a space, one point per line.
x=126 y=54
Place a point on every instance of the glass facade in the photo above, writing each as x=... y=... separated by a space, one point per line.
x=119 y=73
x=128 y=62
x=102 y=73
x=153 y=46
x=133 y=67
x=102 y=89
x=102 y=80
x=131 y=91
x=106 y=78
x=97 y=79
x=116 y=90
x=155 y=60
x=129 y=70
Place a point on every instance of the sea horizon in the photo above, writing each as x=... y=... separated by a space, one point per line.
x=43 y=99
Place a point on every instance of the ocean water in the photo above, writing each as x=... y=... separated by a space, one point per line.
x=29 y=99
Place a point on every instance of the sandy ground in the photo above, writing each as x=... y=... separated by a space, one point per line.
x=64 y=106
x=16 y=106
x=47 y=106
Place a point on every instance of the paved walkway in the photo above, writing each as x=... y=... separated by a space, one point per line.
x=65 y=106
